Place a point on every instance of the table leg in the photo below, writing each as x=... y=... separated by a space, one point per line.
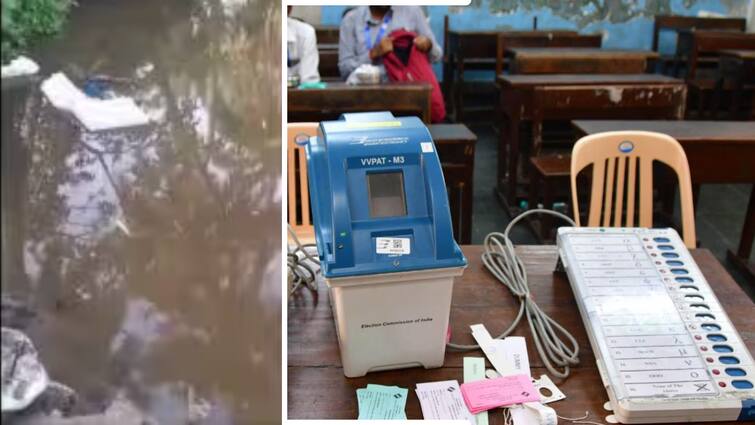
x=513 y=143
x=741 y=258
x=459 y=89
x=448 y=80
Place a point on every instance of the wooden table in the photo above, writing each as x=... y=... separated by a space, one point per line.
x=698 y=48
x=578 y=60
x=456 y=147
x=318 y=389
x=717 y=152
x=679 y=23
x=324 y=104
x=740 y=62
x=484 y=50
x=736 y=75
x=518 y=104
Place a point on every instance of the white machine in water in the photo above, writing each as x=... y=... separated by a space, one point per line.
x=665 y=348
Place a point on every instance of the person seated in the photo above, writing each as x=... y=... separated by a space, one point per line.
x=364 y=35
x=303 y=57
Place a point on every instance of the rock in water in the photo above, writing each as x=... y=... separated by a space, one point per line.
x=15 y=312
x=24 y=377
x=55 y=398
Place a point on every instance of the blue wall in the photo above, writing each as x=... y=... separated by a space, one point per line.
x=632 y=28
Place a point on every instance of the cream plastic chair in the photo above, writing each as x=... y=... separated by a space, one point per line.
x=302 y=222
x=617 y=158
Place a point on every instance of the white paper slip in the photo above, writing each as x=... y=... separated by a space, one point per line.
x=443 y=400
x=400 y=246
x=532 y=414
x=546 y=383
x=494 y=351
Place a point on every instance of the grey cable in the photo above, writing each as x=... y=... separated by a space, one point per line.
x=500 y=258
x=297 y=259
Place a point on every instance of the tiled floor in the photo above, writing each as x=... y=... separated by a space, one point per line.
x=719 y=217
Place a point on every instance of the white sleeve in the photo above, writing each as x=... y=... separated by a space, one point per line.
x=423 y=28
x=310 y=57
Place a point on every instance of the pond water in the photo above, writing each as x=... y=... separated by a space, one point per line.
x=151 y=256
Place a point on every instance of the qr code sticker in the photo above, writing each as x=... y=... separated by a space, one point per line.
x=396 y=246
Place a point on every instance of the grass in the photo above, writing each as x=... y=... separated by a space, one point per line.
x=25 y=22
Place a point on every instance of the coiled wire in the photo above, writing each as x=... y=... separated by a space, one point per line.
x=555 y=345
x=303 y=264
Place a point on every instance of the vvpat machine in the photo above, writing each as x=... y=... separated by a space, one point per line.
x=384 y=238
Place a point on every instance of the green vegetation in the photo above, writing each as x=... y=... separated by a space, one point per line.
x=25 y=21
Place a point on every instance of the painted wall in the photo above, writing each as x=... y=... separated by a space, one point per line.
x=625 y=24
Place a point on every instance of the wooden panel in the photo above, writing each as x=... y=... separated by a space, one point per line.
x=456 y=150
x=328 y=67
x=541 y=39
x=327 y=34
x=578 y=61
x=671 y=22
x=338 y=98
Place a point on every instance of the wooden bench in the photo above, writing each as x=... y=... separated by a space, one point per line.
x=516 y=39
x=578 y=60
x=550 y=173
x=328 y=67
x=327 y=34
x=314 y=105
x=484 y=50
x=456 y=149
x=679 y=23
x=696 y=46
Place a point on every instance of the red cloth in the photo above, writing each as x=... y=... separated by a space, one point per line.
x=406 y=63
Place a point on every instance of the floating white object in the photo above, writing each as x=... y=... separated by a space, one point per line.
x=23 y=376
x=20 y=67
x=94 y=114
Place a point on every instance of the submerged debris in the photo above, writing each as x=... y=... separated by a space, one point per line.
x=24 y=377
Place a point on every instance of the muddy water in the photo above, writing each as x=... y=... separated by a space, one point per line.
x=150 y=256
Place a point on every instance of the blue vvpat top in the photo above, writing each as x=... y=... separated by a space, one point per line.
x=379 y=202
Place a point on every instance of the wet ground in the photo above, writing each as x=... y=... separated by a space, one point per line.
x=150 y=257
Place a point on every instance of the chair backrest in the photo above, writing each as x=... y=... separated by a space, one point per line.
x=618 y=159
x=299 y=216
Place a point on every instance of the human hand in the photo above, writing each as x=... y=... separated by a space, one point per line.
x=423 y=43
x=384 y=47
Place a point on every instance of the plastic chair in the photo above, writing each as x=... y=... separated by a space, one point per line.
x=299 y=215
x=617 y=158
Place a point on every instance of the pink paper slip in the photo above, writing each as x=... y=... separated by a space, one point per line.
x=488 y=394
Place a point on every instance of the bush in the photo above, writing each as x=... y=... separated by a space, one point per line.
x=25 y=21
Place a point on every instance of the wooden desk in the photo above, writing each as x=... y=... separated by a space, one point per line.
x=456 y=147
x=484 y=50
x=739 y=62
x=517 y=104
x=324 y=104
x=736 y=75
x=677 y=23
x=717 y=152
x=317 y=388
x=578 y=60
x=699 y=47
